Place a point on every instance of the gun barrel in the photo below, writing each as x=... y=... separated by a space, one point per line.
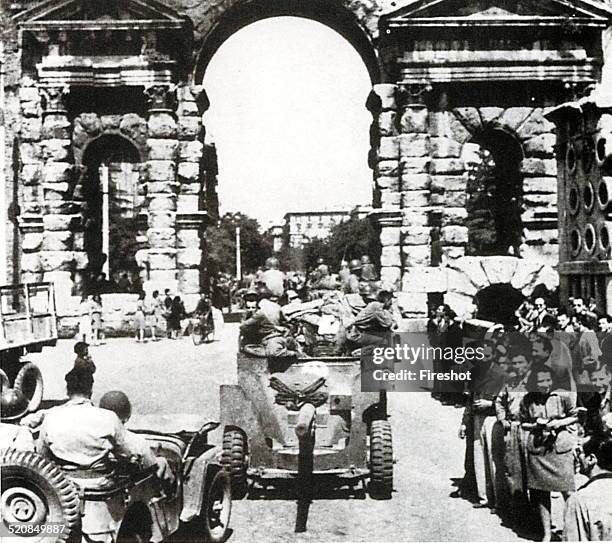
x=304 y=423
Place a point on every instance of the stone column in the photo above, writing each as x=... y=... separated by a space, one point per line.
x=384 y=160
x=30 y=181
x=193 y=102
x=162 y=188
x=58 y=258
x=415 y=184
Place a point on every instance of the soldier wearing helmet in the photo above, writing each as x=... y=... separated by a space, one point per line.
x=273 y=278
x=13 y=406
x=368 y=271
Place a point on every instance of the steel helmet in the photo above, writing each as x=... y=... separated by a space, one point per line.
x=118 y=402
x=13 y=404
x=355 y=264
x=367 y=292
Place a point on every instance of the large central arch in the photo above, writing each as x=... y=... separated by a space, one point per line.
x=356 y=21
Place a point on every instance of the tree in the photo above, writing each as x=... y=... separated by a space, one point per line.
x=221 y=243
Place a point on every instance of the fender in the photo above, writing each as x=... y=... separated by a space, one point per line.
x=196 y=483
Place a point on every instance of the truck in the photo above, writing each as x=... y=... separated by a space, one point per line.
x=28 y=322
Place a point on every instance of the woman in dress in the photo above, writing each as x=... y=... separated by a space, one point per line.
x=85 y=319
x=549 y=415
x=96 y=318
x=139 y=318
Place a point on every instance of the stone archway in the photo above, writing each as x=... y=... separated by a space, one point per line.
x=356 y=21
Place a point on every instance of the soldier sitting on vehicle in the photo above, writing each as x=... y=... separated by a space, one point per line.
x=83 y=359
x=118 y=402
x=80 y=438
x=262 y=334
x=13 y=406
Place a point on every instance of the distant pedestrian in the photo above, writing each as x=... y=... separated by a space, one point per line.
x=177 y=314
x=157 y=315
x=83 y=359
x=139 y=318
x=96 y=319
x=167 y=301
x=85 y=319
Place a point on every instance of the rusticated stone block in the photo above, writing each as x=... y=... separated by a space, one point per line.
x=162 y=149
x=426 y=279
x=446 y=166
x=540 y=146
x=90 y=123
x=417 y=255
x=453 y=252
x=191 y=151
x=188 y=109
x=61 y=207
x=445 y=124
x=58 y=223
x=162 y=187
x=415 y=217
x=536 y=185
x=56 y=260
x=514 y=117
x=57 y=172
x=188 y=203
x=415 y=165
x=30 y=153
x=415 y=198
x=190 y=188
x=390 y=235
x=414 y=145
x=30 y=129
x=78 y=241
x=161 y=203
x=391 y=183
x=416 y=235
x=449 y=199
x=414 y=120
x=30 y=263
x=56 y=150
x=137 y=129
x=388 y=148
x=444 y=147
x=161 y=170
x=162 y=277
x=190 y=257
x=110 y=122
x=454 y=215
x=162 y=260
x=30 y=174
x=390 y=198
x=390 y=256
x=56 y=126
x=188 y=172
x=540 y=200
x=161 y=219
x=390 y=275
x=469 y=118
x=57 y=241
x=31 y=242
x=187 y=238
x=415 y=181
x=29 y=277
x=490 y=114
x=162 y=125
x=54 y=191
x=161 y=238
x=388 y=168
x=387 y=124
x=444 y=183
x=189 y=281
x=28 y=94
x=454 y=235
x=412 y=303
x=536 y=124
x=188 y=128
x=386 y=92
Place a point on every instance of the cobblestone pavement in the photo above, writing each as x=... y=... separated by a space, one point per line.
x=175 y=384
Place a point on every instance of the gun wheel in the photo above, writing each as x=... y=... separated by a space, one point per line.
x=234 y=460
x=381 y=460
x=217 y=509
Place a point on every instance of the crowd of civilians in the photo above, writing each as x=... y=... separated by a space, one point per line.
x=537 y=419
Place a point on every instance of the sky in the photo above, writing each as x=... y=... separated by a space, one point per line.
x=289 y=121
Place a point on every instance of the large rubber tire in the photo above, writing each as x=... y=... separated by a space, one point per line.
x=29 y=380
x=381 y=460
x=217 y=508
x=5 y=382
x=234 y=459
x=36 y=491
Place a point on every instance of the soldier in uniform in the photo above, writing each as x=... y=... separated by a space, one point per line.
x=351 y=286
x=368 y=271
x=13 y=406
x=273 y=278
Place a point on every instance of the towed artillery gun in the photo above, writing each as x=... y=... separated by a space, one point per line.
x=28 y=322
x=304 y=421
x=42 y=502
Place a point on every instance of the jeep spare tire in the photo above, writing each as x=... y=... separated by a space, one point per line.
x=36 y=493
x=29 y=381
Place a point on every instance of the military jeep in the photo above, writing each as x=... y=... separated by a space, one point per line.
x=38 y=493
x=305 y=420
